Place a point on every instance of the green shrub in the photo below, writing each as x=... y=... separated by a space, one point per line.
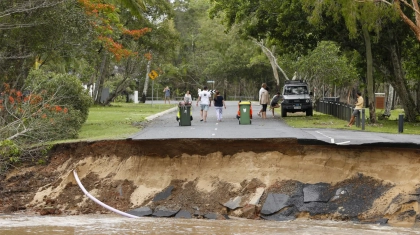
x=71 y=95
x=68 y=87
x=9 y=154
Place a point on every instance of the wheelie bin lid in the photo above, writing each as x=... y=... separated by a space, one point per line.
x=245 y=102
x=183 y=104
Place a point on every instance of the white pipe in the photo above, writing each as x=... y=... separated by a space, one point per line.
x=99 y=202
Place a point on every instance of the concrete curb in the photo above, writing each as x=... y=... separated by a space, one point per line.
x=151 y=117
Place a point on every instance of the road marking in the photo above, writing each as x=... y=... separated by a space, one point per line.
x=323 y=134
x=332 y=139
x=215 y=129
x=345 y=142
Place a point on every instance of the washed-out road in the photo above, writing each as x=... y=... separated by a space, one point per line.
x=165 y=126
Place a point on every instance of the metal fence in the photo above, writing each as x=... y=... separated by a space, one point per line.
x=340 y=110
x=337 y=109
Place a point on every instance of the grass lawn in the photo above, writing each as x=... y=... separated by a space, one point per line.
x=120 y=120
x=320 y=120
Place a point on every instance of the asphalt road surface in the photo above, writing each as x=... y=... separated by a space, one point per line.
x=165 y=126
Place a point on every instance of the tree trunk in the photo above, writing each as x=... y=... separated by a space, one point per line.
x=369 y=75
x=146 y=81
x=400 y=85
x=418 y=96
x=389 y=101
x=273 y=61
x=273 y=64
x=414 y=26
x=122 y=85
x=99 y=80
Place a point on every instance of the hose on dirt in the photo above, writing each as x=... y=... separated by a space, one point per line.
x=99 y=202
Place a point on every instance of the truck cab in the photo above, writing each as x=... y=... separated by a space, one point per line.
x=296 y=98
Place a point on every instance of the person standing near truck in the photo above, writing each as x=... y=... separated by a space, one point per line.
x=264 y=100
x=263 y=88
x=275 y=102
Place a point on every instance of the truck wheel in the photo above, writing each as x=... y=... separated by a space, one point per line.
x=309 y=112
x=283 y=112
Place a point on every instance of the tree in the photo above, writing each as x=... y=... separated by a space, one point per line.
x=112 y=34
x=390 y=57
x=208 y=53
x=44 y=30
x=406 y=17
x=50 y=107
x=358 y=18
x=276 y=23
x=325 y=67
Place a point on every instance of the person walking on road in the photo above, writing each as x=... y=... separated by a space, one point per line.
x=219 y=103
x=187 y=98
x=167 y=92
x=264 y=100
x=275 y=102
x=263 y=88
x=359 y=106
x=204 y=97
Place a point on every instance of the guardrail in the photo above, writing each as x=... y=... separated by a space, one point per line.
x=340 y=110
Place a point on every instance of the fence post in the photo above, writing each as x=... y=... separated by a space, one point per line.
x=358 y=119
x=363 y=119
x=400 y=123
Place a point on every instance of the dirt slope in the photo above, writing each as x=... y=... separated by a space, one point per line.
x=380 y=182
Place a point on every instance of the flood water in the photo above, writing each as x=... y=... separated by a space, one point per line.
x=114 y=224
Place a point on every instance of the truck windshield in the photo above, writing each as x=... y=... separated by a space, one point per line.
x=295 y=90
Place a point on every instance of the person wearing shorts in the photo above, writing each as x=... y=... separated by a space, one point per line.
x=359 y=106
x=275 y=102
x=204 y=97
x=167 y=92
x=263 y=88
x=264 y=100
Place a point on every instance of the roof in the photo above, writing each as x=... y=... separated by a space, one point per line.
x=297 y=82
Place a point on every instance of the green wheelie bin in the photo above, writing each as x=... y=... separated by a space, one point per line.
x=245 y=111
x=184 y=115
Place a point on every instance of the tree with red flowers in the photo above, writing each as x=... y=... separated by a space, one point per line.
x=106 y=21
x=112 y=34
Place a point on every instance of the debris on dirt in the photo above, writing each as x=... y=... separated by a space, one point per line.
x=233 y=178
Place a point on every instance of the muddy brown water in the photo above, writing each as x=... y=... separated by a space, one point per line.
x=381 y=182
x=101 y=224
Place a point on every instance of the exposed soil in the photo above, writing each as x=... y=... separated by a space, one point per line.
x=381 y=182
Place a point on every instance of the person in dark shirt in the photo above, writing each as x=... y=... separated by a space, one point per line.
x=275 y=102
x=219 y=103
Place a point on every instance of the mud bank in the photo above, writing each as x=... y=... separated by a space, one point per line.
x=274 y=179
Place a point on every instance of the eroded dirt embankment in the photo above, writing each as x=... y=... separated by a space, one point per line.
x=276 y=179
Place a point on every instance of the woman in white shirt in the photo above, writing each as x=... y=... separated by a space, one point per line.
x=187 y=98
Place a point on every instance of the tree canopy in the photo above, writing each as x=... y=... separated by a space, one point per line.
x=345 y=45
